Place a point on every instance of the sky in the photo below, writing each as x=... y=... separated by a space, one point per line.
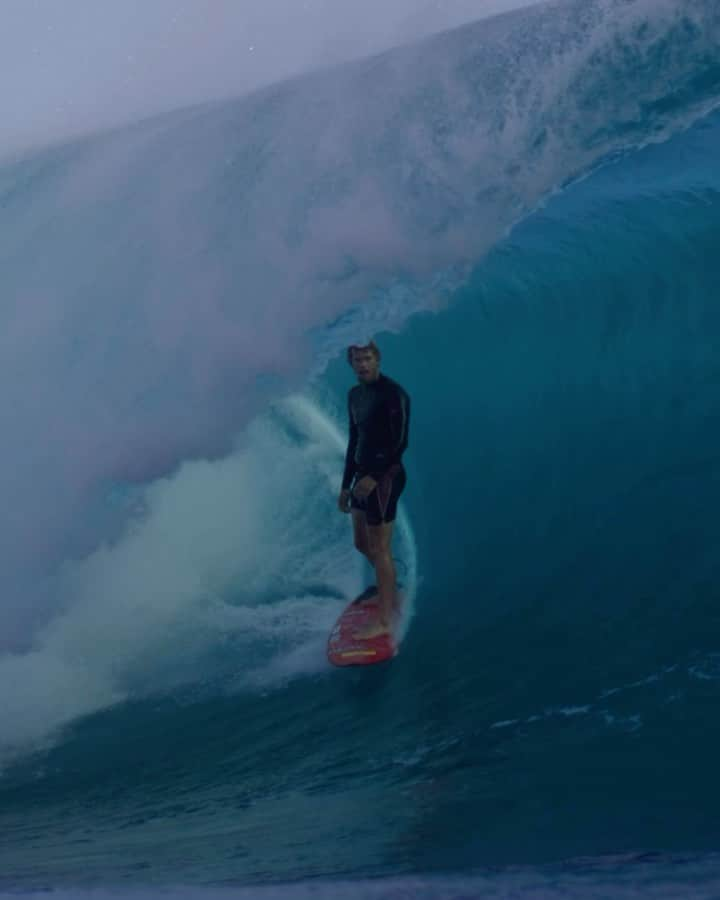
x=72 y=66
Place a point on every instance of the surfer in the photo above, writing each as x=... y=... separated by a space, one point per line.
x=374 y=476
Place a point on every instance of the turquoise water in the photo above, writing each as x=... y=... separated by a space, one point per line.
x=178 y=296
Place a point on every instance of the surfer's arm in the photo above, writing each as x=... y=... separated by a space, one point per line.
x=350 y=453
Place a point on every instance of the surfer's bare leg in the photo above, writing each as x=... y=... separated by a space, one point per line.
x=380 y=540
x=385 y=573
x=362 y=545
x=361 y=535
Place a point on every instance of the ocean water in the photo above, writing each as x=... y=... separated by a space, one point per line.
x=525 y=214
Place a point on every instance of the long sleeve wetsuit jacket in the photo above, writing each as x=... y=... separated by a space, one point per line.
x=379 y=417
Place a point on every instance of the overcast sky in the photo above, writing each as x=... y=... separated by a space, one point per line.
x=75 y=65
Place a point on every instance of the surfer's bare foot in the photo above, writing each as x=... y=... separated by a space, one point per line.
x=377 y=629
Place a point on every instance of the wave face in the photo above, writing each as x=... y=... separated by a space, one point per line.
x=176 y=299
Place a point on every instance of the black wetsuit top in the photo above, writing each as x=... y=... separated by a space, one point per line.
x=379 y=415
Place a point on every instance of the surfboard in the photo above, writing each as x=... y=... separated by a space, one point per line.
x=343 y=649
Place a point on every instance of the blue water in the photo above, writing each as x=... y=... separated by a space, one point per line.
x=535 y=248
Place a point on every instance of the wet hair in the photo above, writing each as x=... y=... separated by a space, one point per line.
x=372 y=346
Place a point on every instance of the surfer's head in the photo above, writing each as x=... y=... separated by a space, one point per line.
x=365 y=360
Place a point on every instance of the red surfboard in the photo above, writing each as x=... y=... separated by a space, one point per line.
x=343 y=649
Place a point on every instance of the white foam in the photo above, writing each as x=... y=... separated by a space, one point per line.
x=231 y=571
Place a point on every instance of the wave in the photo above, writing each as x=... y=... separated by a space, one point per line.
x=690 y=876
x=163 y=282
x=563 y=474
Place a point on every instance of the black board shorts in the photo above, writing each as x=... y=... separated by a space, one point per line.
x=381 y=505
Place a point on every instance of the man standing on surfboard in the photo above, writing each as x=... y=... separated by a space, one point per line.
x=374 y=476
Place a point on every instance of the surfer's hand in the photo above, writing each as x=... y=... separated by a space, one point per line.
x=364 y=487
x=344 y=501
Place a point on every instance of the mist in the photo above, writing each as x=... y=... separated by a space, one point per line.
x=84 y=65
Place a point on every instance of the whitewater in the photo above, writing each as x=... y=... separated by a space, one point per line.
x=524 y=213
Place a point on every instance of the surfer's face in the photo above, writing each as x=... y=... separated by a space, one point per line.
x=365 y=364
